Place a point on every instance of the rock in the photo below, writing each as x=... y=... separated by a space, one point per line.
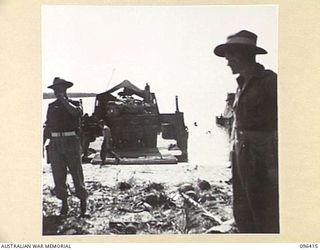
x=204 y=185
x=155 y=186
x=155 y=200
x=71 y=231
x=124 y=186
x=186 y=187
x=117 y=226
x=130 y=229
x=152 y=199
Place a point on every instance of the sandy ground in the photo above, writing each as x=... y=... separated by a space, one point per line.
x=116 y=208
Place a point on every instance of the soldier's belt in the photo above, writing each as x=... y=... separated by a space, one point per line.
x=62 y=134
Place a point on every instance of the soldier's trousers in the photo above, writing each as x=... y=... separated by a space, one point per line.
x=255 y=182
x=65 y=154
x=106 y=149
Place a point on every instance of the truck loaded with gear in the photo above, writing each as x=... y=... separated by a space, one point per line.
x=132 y=116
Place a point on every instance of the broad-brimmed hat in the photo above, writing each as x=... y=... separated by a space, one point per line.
x=59 y=82
x=242 y=40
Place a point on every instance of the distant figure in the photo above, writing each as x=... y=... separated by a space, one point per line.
x=254 y=157
x=147 y=87
x=195 y=124
x=107 y=144
x=208 y=132
x=63 y=129
x=147 y=95
x=89 y=133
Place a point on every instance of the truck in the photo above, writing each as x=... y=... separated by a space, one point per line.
x=133 y=116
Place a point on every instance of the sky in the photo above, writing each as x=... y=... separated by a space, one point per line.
x=168 y=47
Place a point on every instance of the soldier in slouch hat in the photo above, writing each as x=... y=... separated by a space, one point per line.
x=254 y=157
x=62 y=127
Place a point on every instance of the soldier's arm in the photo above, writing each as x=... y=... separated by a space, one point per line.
x=46 y=134
x=272 y=105
x=46 y=128
x=73 y=109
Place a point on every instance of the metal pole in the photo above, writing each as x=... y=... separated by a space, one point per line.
x=177 y=104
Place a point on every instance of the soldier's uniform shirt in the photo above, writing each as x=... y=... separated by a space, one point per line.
x=60 y=120
x=255 y=162
x=255 y=102
x=65 y=151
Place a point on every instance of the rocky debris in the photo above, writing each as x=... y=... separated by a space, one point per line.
x=193 y=202
x=147 y=208
x=57 y=225
x=123 y=186
x=130 y=229
x=192 y=194
x=152 y=199
x=185 y=187
x=158 y=199
x=204 y=185
x=155 y=186
x=123 y=228
x=226 y=227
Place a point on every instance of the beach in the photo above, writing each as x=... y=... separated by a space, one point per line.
x=118 y=194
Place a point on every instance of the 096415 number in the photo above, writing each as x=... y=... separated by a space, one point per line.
x=308 y=245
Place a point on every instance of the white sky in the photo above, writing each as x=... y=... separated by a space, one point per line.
x=170 y=47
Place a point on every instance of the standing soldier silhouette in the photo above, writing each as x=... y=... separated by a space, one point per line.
x=255 y=158
x=62 y=127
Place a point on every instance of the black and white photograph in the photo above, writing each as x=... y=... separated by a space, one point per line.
x=159 y=120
